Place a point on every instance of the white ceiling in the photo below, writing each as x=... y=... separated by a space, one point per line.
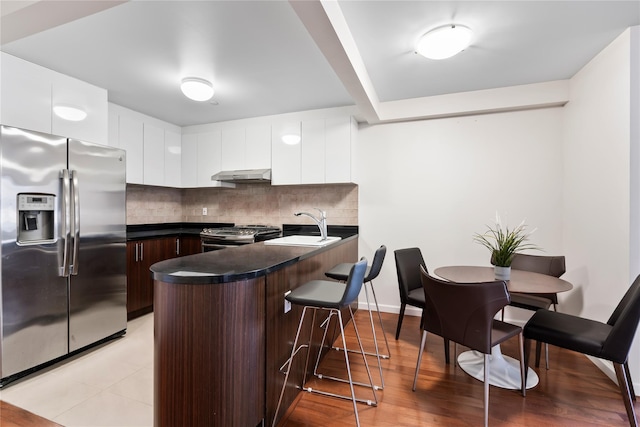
x=273 y=57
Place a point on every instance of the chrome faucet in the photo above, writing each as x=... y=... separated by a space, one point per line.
x=321 y=223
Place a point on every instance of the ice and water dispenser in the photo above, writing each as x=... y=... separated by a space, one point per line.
x=35 y=218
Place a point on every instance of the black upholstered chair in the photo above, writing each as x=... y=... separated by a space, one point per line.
x=332 y=296
x=464 y=313
x=408 y=262
x=549 y=265
x=609 y=341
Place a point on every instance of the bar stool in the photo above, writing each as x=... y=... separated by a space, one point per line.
x=341 y=272
x=332 y=296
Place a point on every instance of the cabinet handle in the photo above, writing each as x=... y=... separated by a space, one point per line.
x=141 y=251
x=136 y=258
x=177 y=246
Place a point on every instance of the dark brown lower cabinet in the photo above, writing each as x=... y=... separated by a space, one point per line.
x=141 y=254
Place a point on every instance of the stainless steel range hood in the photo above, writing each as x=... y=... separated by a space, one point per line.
x=244 y=176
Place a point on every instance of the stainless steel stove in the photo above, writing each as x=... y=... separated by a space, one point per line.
x=219 y=238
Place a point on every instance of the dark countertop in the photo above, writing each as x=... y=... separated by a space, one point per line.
x=149 y=231
x=234 y=264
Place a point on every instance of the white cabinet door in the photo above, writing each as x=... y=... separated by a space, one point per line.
x=189 y=161
x=313 y=152
x=339 y=133
x=153 y=153
x=89 y=98
x=113 y=138
x=258 y=146
x=172 y=160
x=233 y=149
x=209 y=145
x=25 y=91
x=285 y=158
x=131 y=131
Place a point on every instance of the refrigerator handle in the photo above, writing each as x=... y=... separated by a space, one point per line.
x=66 y=222
x=75 y=193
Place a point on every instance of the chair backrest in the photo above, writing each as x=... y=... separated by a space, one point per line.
x=408 y=262
x=624 y=320
x=354 y=282
x=463 y=312
x=376 y=264
x=549 y=265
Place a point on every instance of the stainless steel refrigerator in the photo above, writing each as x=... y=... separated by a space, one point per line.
x=63 y=252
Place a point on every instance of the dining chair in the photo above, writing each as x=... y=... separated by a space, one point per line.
x=609 y=341
x=551 y=266
x=333 y=297
x=464 y=313
x=408 y=262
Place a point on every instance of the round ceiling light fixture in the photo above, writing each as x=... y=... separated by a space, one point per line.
x=444 y=42
x=196 y=88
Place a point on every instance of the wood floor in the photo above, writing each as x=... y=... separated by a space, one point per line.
x=573 y=392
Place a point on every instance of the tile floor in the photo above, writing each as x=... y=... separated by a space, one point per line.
x=111 y=385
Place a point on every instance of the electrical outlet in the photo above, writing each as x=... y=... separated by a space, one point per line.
x=204 y=211
x=287 y=304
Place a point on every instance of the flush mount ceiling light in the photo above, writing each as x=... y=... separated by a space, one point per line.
x=69 y=112
x=196 y=88
x=444 y=42
x=291 y=139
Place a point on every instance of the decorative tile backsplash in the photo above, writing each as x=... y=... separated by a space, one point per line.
x=245 y=204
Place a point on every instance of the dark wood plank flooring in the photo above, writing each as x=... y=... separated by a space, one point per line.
x=573 y=392
x=12 y=416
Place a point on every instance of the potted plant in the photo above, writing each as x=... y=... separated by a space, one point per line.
x=504 y=243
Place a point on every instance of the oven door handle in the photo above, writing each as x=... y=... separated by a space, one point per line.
x=213 y=246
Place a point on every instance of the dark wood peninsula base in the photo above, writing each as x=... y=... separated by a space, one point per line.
x=221 y=333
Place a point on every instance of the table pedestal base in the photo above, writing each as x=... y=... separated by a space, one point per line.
x=504 y=371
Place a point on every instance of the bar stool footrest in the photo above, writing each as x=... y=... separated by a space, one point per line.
x=367 y=402
x=342 y=380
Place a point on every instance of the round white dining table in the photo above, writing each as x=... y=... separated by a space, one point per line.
x=504 y=371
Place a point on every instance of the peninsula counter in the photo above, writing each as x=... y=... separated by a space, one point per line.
x=221 y=333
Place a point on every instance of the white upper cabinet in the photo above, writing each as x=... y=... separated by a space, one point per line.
x=172 y=159
x=285 y=157
x=25 y=90
x=153 y=149
x=258 y=146
x=29 y=92
x=246 y=147
x=131 y=139
x=313 y=152
x=233 y=149
x=68 y=91
x=209 y=148
x=189 y=161
x=201 y=159
x=323 y=156
x=340 y=140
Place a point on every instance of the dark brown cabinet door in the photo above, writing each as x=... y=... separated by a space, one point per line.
x=189 y=245
x=142 y=254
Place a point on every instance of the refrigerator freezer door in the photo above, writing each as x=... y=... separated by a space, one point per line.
x=34 y=310
x=97 y=286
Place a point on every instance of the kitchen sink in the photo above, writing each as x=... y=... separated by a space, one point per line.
x=298 y=240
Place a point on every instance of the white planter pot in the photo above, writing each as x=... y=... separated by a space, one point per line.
x=502 y=273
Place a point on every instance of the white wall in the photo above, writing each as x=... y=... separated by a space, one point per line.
x=434 y=183
x=601 y=200
x=572 y=172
